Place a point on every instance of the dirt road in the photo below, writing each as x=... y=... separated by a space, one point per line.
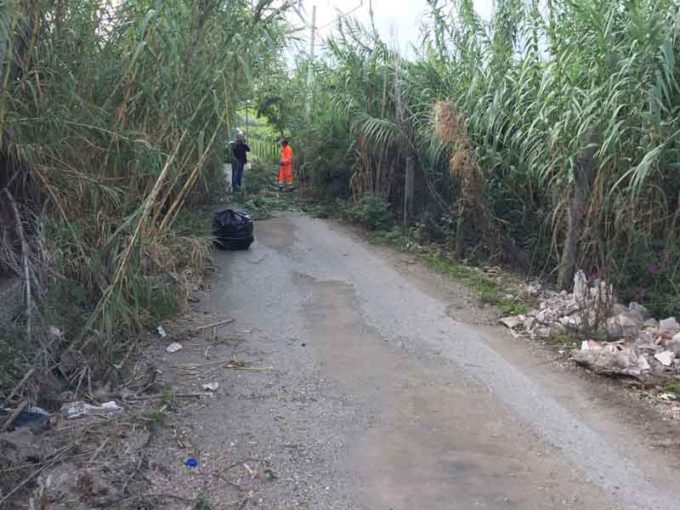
x=385 y=396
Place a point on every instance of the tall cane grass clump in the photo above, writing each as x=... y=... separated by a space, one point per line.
x=558 y=120
x=113 y=114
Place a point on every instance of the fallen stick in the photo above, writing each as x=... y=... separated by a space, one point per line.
x=10 y=419
x=25 y=260
x=18 y=386
x=98 y=450
x=196 y=366
x=162 y=395
x=215 y=324
x=134 y=473
x=255 y=369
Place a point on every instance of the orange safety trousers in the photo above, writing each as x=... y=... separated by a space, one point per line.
x=286 y=173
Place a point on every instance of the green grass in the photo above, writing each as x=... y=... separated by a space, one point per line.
x=192 y=223
x=370 y=212
x=321 y=210
x=157 y=296
x=156 y=420
x=261 y=198
x=169 y=397
x=489 y=290
x=403 y=239
x=263 y=205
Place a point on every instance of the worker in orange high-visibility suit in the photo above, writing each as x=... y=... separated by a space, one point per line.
x=286 y=166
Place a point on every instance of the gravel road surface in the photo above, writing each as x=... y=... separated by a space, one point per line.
x=385 y=397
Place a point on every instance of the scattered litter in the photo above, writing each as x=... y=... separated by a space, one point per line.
x=665 y=358
x=191 y=463
x=24 y=417
x=80 y=409
x=160 y=331
x=173 y=347
x=211 y=386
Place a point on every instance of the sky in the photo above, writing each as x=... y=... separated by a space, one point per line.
x=398 y=21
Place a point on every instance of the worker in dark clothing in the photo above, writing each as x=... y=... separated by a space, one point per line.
x=240 y=160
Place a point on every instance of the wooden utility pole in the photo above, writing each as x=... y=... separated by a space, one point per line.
x=312 y=42
x=409 y=184
x=310 y=64
x=409 y=173
x=584 y=174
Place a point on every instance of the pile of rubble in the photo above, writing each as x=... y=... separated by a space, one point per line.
x=636 y=344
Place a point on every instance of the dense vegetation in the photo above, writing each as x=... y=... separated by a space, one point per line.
x=113 y=114
x=545 y=138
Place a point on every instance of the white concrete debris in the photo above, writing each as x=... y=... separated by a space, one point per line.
x=173 y=347
x=212 y=386
x=665 y=358
x=669 y=325
x=637 y=345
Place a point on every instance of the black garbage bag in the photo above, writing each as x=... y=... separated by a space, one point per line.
x=233 y=230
